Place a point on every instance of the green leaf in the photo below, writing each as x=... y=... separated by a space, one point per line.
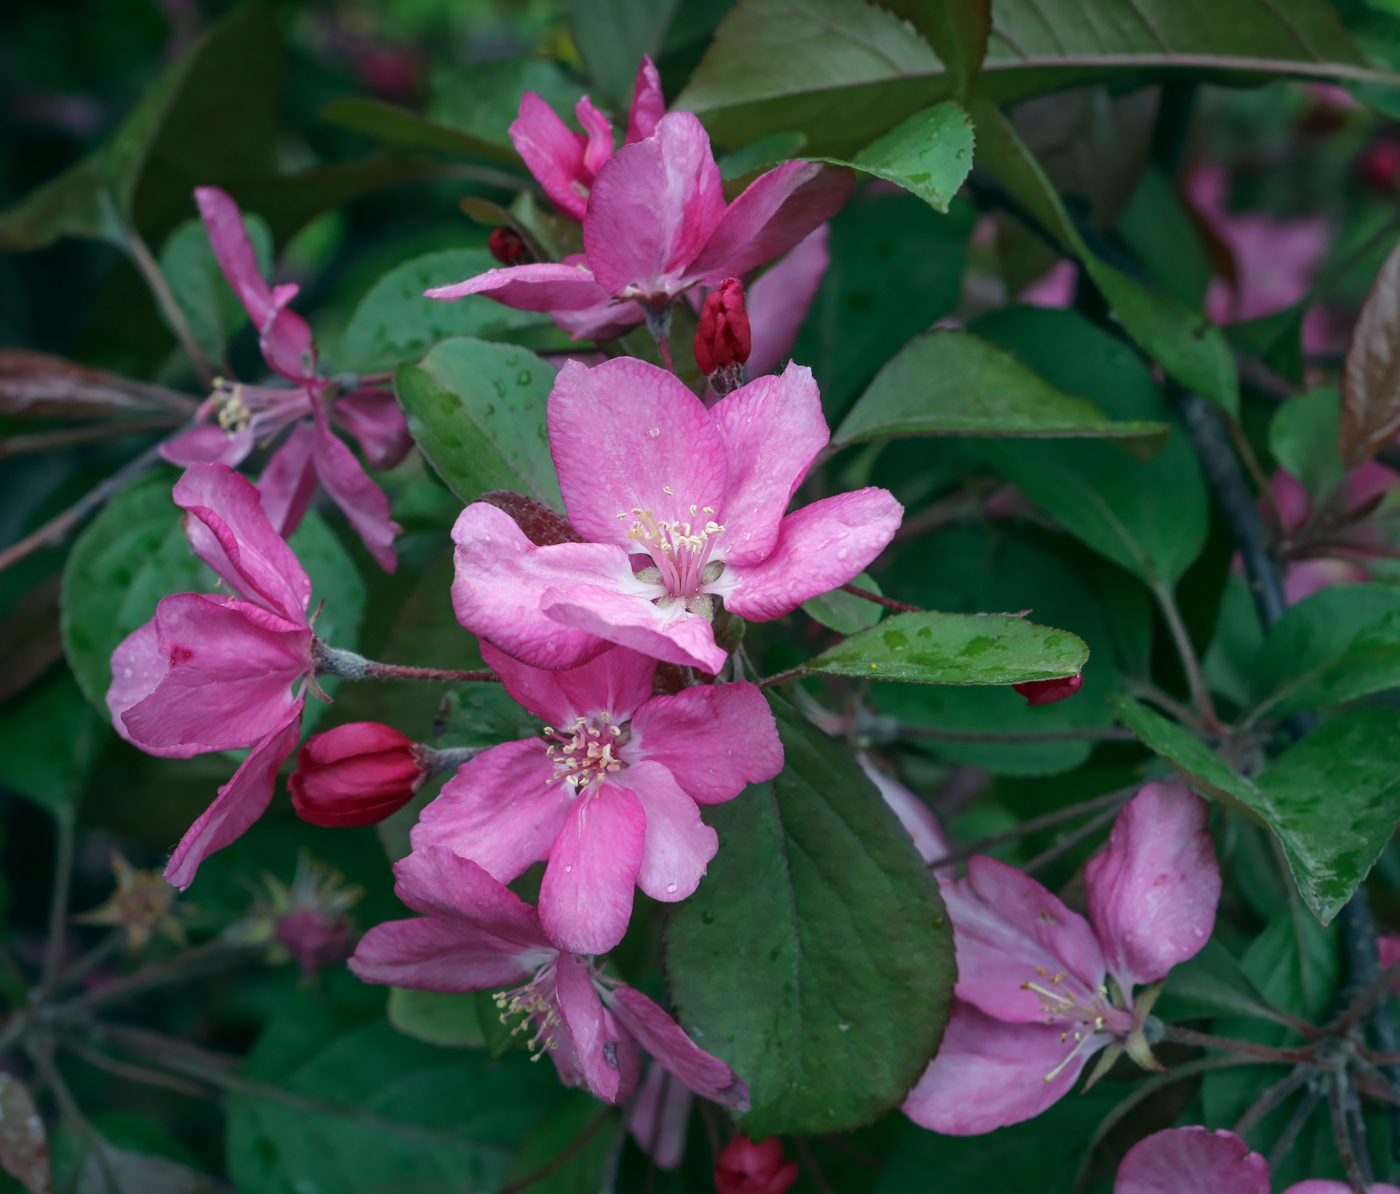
x=485 y=100
x=1206 y=771
x=212 y=309
x=49 y=738
x=1212 y=983
x=612 y=36
x=1303 y=439
x=954 y=383
x=1184 y=342
x=816 y=957
x=1151 y=516
x=761 y=155
x=336 y=585
x=934 y=648
x=477 y=411
x=956 y=29
x=438 y=1018
x=1335 y=799
x=896 y=268
x=1157 y=227
x=587 y=1165
x=844 y=71
x=394 y=323
x=843 y=612
x=129 y=557
x=930 y=154
x=1334 y=646
x=405 y=129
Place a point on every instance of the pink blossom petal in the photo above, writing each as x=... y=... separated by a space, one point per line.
x=374 y=418
x=713 y=738
x=553 y=153
x=606 y=319
x=776 y=212
x=614 y=684
x=362 y=501
x=779 y=301
x=440 y=882
x=662 y=1037
x=598 y=147
x=286 y=342
x=231 y=533
x=820 y=547
x=543 y=286
x=502 y=577
x=654 y=205
x=229 y=681
x=627 y=437
x=1010 y=931
x=431 y=954
x=678 y=844
x=592 y=1034
x=500 y=810
x=240 y=802
x=988 y=1074
x=660 y=1117
x=208 y=444
x=586 y=895
x=1153 y=892
x=234 y=252
x=916 y=817
x=1291 y=498
x=288 y=483
x=627 y=617
x=1196 y=1161
x=648 y=104
x=772 y=430
x=1316 y=1186
x=1303 y=578
x=138 y=667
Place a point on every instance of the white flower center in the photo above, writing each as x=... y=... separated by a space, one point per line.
x=586 y=750
x=679 y=550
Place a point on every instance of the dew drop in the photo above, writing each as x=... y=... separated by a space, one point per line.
x=670 y=887
x=567 y=869
x=524 y=378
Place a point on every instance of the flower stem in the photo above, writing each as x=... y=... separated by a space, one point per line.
x=334 y=661
x=1111 y=800
x=793 y=673
x=1186 y=651
x=58 y=902
x=887 y=602
x=1271 y=1098
x=1267 y=1053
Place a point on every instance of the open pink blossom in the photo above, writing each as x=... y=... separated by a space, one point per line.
x=237 y=418
x=564 y=162
x=657 y=224
x=1033 y=1002
x=680 y=505
x=476 y=935
x=221 y=671
x=1197 y=1161
x=610 y=795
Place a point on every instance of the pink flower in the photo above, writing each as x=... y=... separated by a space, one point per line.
x=660 y=1117
x=566 y=163
x=1049 y=692
x=478 y=936
x=246 y=416
x=657 y=224
x=694 y=498
x=1032 y=999
x=1196 y=1161
x=219 y=672
x=610 y=795
x=747 y=1168
x=356 y=774
x=779 y=300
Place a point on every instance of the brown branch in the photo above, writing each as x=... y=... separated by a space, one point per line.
x=46 y=441
x=1266 y=1053
x=887 y=602
x=1111 y=800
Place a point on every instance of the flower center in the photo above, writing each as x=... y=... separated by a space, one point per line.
x=264 y=409
x=585 y=751
x=679 y=550
x=1060 y=1003
x=536 y=1009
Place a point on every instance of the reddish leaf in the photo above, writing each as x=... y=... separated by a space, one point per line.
x=542 y=526
x=1371 y=382
x=24 y=1147
x=43 y=386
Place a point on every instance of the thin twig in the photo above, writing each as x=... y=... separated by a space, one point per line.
x=1271 y=1098
x=566 y=1154
x=804 y=1150
x=70 y=1111
x=1265 y=1053
x=134 y=1073
x=1068 y=843
x=58 y=900
x=1341 y=1134
x=181 y=966
x=45 y=441
x=887 y=602
x=1186 y=650
x=103 y=950
x=1295 y=1125
x=1110 y=800
x=1114 y=734
x=794 y=673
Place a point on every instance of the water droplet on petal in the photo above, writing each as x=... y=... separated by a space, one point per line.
x=670 y=887
x=567 y=869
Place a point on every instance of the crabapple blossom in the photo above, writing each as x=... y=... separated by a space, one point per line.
x=236 y=418
x=356 y=774
x=748 y=1168
x=565 y=163
x=476 y=935
x=610 y=795
x=1032 y=1002
x=657 y=224
x=221 y=671
x=723 y=338
x=679 y=505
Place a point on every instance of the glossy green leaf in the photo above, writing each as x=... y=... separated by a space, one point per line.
x=483 y=100
x=930 y=154
x=1334 y=801
x=844 y=612
x=1212 y=983
x=816 y=957
x=477 y=411
x=612 y=36
x=394 y=323
x=403 y=128
x=1158 y=228
x=1184 y=342
x=437 y=1017
x=1334 y=646
x=934 y=648
x=955 y=383
x=1150 y=516
x=198 y=284
x=1303 y=439
x=1207 y=772
x=957 y=30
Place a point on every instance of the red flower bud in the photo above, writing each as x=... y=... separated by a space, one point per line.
x=1380 y=165
x=356 y=774
x=316 y=940
x=723 y=337
x=1047 y=692
x=508 y=246
x=748 y=1168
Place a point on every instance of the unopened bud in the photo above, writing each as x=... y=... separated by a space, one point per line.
x=748 y=1168
x=1047 y=692
x=1380 y=165
x=508 y=246
x=356 y=774
x=316 y=939
x=723 y=340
